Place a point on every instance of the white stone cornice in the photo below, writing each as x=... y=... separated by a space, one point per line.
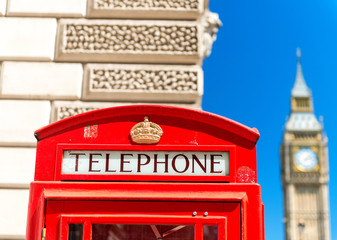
x=159 y=9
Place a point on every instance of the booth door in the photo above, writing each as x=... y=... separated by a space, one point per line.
x=142 y=220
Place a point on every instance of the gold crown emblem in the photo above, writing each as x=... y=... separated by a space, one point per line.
x=146 y=132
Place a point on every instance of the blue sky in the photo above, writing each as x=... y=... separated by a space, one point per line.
x=250 y=74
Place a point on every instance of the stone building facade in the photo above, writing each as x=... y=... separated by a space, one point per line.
x=59 y=58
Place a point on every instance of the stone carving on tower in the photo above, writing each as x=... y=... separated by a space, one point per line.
x=305 y=168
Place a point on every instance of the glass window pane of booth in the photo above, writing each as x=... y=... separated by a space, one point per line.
x=75 y=232
x=142 y=232
x=107 y=220
x=210 y=232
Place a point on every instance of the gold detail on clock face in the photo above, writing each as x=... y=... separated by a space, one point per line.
x=305 y=159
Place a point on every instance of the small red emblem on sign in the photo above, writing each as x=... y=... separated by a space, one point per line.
x=91 y=131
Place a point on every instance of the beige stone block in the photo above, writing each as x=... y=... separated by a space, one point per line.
x=129 y=41
x=41 y=80
x=50 y=8
x=159 y=9
x=206 y=4
x=19 y=120
x=17 y=166
x=3 y=7
x=149 y=83
x=27 y=38
x=13 y=212
x=64 y=109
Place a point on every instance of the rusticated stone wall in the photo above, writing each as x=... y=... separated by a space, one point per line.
x=144 y=80
x=160 y=9
x=59 y=58
x=165 y=84
x=160 y=4
x=129 y=41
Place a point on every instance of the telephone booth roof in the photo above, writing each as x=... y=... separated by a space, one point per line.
x=127 y=113
x=184 y=130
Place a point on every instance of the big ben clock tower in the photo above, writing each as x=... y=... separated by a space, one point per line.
x=305 y=171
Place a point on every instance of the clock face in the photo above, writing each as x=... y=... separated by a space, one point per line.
x=306 y=159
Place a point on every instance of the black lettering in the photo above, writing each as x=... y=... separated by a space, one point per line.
x=91 y=161
x=125 y=161
x=140 y=161
x=107 y=160
x=213 y=162
x=156 y=162
x=196 y=159
x=174 y=163
x=76 y=160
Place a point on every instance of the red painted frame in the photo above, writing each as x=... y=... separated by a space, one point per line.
x=88 y=220
x=61 y=147
x=247 y=195
x=184 y=129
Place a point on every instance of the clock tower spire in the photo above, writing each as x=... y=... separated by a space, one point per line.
x=300 y=94
x=304 y=163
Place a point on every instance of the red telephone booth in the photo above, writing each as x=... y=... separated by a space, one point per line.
x=145 y=172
